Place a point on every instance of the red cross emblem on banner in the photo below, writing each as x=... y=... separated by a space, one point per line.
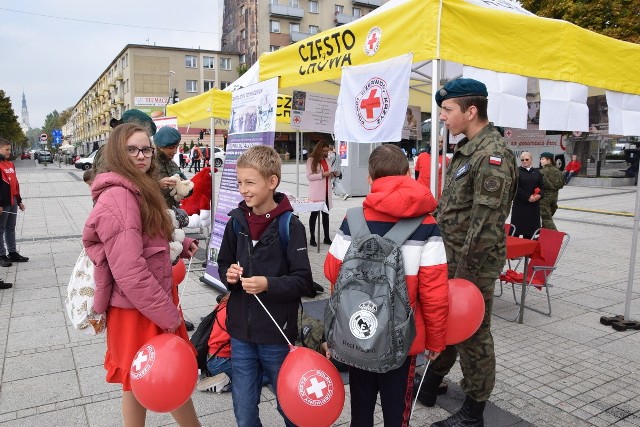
x=370 y=103
x=372 y=41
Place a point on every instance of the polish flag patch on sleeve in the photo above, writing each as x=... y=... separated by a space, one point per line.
x=495 y=160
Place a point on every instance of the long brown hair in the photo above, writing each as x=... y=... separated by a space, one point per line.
x=155 y=219
x=317 y=155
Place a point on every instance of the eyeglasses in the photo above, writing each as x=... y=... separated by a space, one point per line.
x=525 y=160
x=134 y=151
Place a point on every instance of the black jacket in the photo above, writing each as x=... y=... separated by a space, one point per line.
x=289 y=279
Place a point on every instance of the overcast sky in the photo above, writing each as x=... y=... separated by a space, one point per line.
x=53 y=54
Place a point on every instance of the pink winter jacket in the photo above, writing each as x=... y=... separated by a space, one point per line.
x=132 y=269
x=318 y=183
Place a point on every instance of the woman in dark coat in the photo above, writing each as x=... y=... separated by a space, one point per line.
x=525 y=214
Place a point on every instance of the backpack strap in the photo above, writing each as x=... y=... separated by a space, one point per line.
x=284 y=220
x=403 y=229
x=357 y=223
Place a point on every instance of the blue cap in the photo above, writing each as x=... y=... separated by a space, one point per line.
x=166 y=137
x=461 y=87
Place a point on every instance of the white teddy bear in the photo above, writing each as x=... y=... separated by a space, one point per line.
x=175 y=245
x=181 y=189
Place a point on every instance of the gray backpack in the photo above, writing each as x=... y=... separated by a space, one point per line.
x=368 y=321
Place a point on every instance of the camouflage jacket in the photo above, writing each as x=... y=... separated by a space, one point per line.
x=476 y=199
x=167 y=167
x=551 y=178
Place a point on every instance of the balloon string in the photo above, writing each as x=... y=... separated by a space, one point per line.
x=185 y=286
x=419 y=387
x=274 y=321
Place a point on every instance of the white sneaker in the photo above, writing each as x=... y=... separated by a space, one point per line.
x=345 y=197
x=215 y=384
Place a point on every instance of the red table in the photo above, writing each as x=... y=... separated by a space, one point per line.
x=516 y=248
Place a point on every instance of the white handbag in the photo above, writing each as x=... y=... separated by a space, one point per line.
x=79 y=301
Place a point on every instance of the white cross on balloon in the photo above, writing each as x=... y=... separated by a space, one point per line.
x=140 y=359
x=316 y=387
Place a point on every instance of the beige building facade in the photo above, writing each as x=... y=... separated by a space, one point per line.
x=145 y=77
x=252 y=28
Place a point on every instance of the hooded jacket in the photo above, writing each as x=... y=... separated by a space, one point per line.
x=8 y=172
x=425 y=262
x=288 y=275
x=132 y=269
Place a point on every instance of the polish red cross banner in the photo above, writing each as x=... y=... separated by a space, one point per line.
x=373 y=101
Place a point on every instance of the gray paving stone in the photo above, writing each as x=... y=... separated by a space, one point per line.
x=69 y=417
x=20 y=394
x=37 y=338
x=38 y=364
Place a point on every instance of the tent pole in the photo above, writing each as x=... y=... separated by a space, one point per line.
x=435 y=131
x=298 y=157
x=212 y=156
x=632 y=259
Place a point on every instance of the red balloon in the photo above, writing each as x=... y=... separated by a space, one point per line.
x=310 y=389
x=178 y=271
x=164 y=373
x=466 y=310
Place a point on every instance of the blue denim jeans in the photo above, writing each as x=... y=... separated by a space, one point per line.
x=217 y=365
x=249 y=362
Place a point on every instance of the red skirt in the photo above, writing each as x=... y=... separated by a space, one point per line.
x=127 y=331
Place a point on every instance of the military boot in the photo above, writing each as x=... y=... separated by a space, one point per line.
x=470 y=415
x=430 y=387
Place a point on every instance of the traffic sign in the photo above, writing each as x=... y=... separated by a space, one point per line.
x=43 y=137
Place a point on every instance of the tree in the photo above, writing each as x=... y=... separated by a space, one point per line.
x=619 y=19
x=55 y=120
x=9 y=125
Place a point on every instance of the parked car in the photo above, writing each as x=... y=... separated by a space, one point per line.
x=45 y=156
x=25 y=156
x=85 y=163
x=218 y=157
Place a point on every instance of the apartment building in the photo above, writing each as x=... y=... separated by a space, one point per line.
x=145 y=77
x=252 y=28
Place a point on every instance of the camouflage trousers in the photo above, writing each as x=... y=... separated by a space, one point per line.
x=548 y=208
x=477 y=357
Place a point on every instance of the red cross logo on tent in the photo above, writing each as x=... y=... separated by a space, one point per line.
x=508 y=133
x=143 y=362
x=296 y=120
x=372 y=41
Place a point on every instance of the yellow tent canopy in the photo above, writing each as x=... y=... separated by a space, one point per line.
x=470 y=32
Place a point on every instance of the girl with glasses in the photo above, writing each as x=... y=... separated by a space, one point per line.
x=127 y=236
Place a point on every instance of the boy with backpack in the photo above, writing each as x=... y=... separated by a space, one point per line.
x=258 y=271
x=377 y=281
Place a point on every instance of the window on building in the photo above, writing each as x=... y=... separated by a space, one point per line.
x=208 y=85
x=294 y=28
x=243 y=59
x=126 y=86
x=273 y=1
x=208 y=62
x=192 y=86
x=313 y=6
x=225 y=63
x=314 y=29
x=243 y=34
x=357 y=12
x=339 y=9
x=190 y=61
x=223 y=85
x=275 y=26
x=294 y=3
x=273 y=48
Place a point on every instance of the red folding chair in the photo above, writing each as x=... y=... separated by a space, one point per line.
x=510 y=230
x=540 y=266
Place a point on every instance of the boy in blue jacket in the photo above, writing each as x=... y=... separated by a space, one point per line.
x=253 y=263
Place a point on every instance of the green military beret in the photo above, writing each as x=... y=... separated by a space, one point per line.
x=547 y=155
x=166 y=137
x=141 y=118
x=460 y=87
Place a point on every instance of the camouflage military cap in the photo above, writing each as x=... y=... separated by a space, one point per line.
x=141 y=118
x=547 y=155
x=460 y=87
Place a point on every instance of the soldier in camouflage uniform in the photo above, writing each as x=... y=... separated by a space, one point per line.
x=480 y=186
x=553 y=181
x=167 y=140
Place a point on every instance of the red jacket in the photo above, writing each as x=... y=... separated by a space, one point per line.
x=132 y=269
x=425 y=261
x=573 y=166
x=220 y=340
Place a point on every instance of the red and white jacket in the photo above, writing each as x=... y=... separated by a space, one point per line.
x=425 y=260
